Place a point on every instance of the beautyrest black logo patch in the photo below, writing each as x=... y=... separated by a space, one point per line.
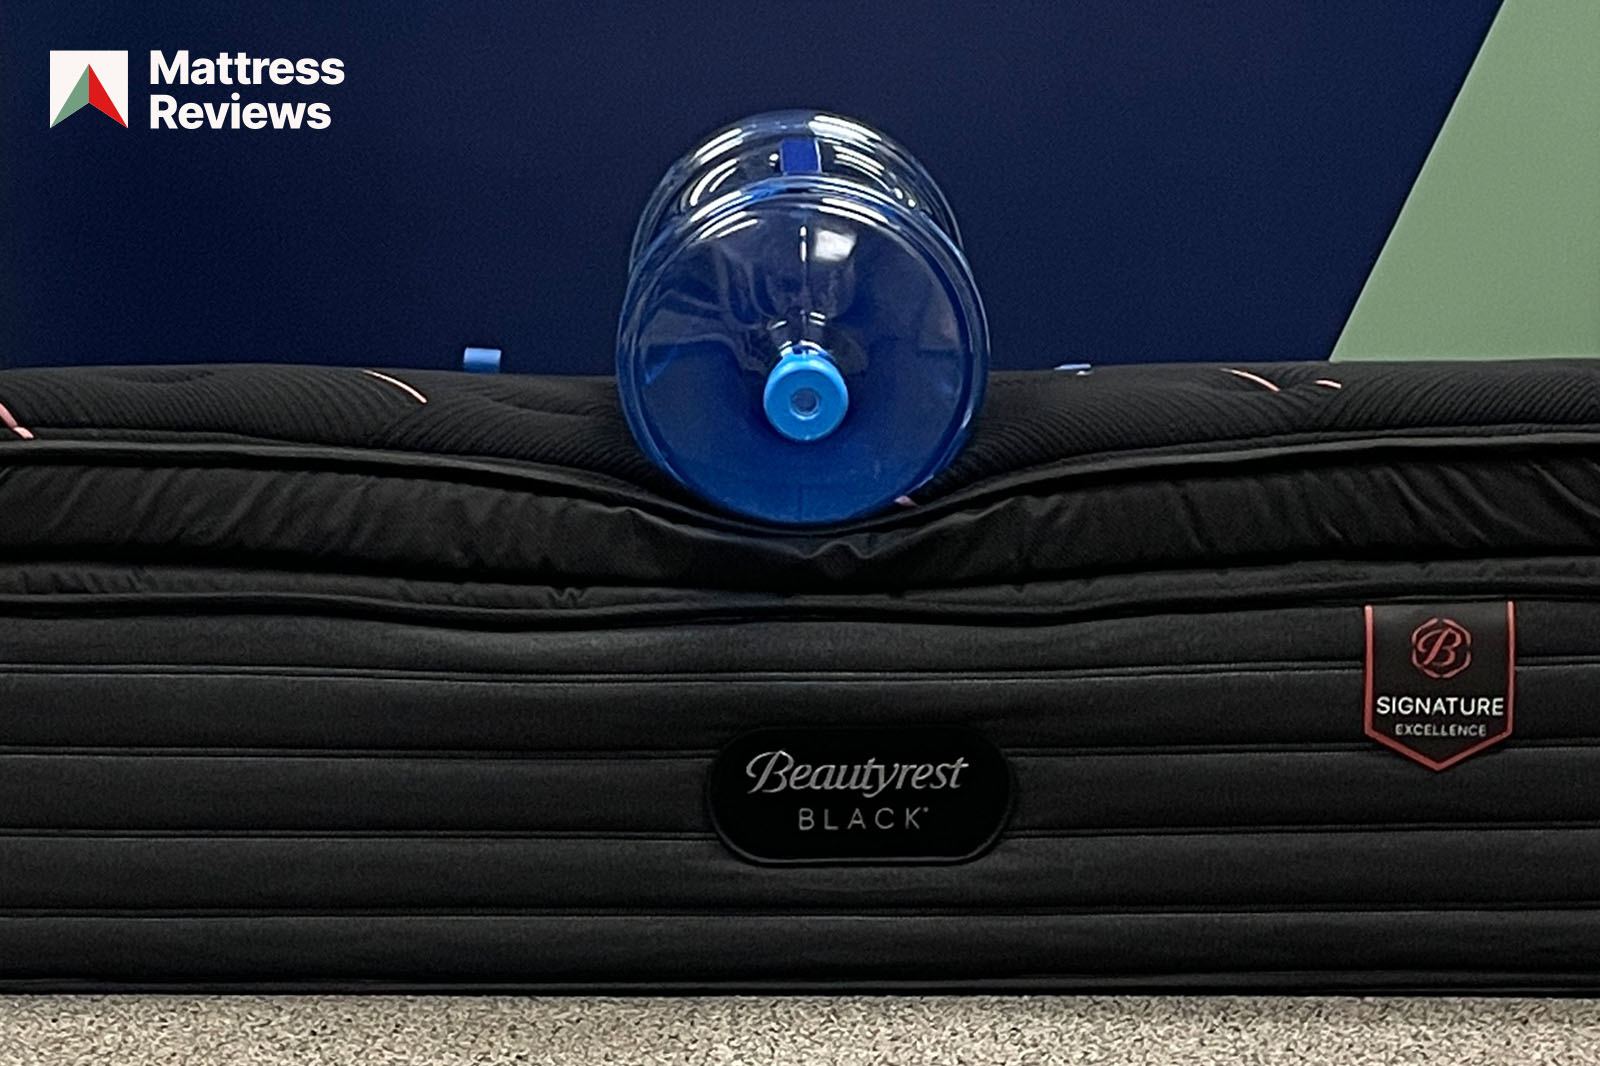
x=1441 y=678
x=924 y=794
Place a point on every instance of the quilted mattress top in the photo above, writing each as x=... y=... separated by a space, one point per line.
x=536 y=480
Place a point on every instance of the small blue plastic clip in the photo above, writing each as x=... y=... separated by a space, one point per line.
x=481 y=360
x=799 y=155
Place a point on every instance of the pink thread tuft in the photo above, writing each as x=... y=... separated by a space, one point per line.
x=1257 y=378
x=397 y=383
x=11 y=423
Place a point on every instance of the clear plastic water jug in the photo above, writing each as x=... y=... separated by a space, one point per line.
x=802 y=341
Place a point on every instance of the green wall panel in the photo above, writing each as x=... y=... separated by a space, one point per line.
x=1497 y=251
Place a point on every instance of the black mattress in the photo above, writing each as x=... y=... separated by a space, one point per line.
x=1274 y=677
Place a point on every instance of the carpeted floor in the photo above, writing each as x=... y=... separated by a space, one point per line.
x=905 y=1031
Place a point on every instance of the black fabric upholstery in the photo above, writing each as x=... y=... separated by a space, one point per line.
x=534 y=480
x=308 y=684
x=1030 y=419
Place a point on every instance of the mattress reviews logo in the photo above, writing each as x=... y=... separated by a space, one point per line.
x=228 y=91
x=97 y=80
x=931 y=794
x=1440 y=679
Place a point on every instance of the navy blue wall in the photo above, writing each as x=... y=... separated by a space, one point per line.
x=1152 y=181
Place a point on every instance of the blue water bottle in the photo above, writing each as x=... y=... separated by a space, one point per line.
x=802 y=341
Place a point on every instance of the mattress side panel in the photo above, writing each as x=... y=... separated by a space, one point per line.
x=272 y=801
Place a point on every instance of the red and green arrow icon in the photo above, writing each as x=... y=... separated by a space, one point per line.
x=88 y=93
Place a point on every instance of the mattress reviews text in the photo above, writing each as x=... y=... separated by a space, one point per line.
x=240 y=110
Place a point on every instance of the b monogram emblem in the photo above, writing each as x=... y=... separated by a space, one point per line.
x=1441 y=648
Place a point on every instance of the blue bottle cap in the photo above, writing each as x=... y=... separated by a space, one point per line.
x=805 y=397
